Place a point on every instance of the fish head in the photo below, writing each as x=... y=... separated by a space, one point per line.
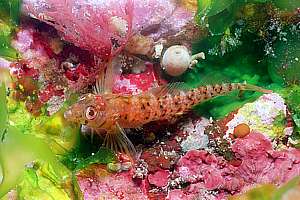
x=89 y=110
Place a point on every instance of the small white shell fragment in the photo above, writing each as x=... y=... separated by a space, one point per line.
x=176 y=60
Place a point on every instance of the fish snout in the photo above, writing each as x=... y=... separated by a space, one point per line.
x=73 y=115
x=68 y=115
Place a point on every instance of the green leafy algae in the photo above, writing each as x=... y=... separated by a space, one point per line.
x=9 y=19
x=291 y=95
x=3 y=109
x=42 y=182
x=54 y=130
x=237 y=66
x=241 y=49
x=10 y=11
x=268 y=191
x=284 y=67
x=28 y=164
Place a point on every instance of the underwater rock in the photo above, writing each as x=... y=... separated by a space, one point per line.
x=173 y=25
x=196 y=139
x=158 y=159
x=55 y=76
x=156 y=19
x=259 y=163
x=96 y=182
x=194 y=191
x=261 y=115
x=148 y=14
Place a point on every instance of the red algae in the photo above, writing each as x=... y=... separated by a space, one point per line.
x=136 y=83
x=88 y=26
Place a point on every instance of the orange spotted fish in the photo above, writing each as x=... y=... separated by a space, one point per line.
x=111 y=113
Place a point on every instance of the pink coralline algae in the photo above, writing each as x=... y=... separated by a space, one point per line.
x=96 y=183
x=259 y=163
x=102 y=27
x=194 y=191
x=159 y=178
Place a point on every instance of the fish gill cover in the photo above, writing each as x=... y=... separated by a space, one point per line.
x=44 y=157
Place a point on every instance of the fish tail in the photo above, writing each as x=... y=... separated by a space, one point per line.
x=249 y=87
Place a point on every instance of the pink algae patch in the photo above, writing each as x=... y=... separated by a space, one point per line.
x=259 y=163
x=96 y=183
x=159 y=178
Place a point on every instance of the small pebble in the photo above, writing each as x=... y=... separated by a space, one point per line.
x=241 y=130
x=126 y=166
x=114 y=167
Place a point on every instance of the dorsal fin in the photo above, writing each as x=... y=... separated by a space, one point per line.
x=170 y=88
x=107 y=76
x=213 y=78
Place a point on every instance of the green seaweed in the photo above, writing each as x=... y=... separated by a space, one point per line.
x=10 y=11
x=59 y=135
x=289 y=5
x=284 y=67
x=31 y=148
x=42 y=182
x=241 y=49
x=3 y=109
x=9 y=20
x=237 y=66
x=268 y=191
x=291 y=95
x=86 y=153
x=37 y=167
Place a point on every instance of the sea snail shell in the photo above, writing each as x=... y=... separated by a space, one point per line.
x=177 y=59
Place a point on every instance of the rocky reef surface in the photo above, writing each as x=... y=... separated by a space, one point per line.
x=242 y=145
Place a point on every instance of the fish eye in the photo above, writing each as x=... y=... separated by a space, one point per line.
x=91 y=113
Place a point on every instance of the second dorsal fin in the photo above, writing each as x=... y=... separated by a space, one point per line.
x=170 y=88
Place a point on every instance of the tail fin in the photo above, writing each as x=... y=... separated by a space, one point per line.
x=245 y=86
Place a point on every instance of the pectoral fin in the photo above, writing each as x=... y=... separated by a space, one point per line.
x=117 y=140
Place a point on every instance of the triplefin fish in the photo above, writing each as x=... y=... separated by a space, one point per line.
x=113 y=112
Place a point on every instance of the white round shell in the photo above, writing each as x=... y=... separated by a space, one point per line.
x=176 y=60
